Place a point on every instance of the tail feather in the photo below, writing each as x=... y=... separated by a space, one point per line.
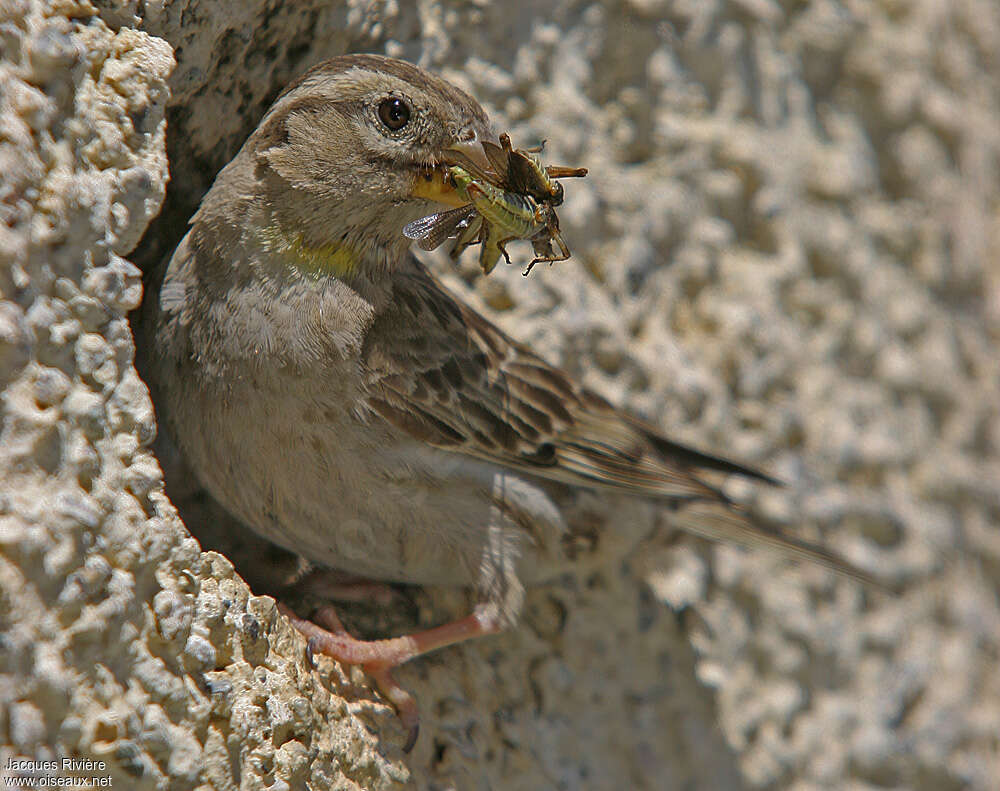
x=721 y=521
x=696 y=459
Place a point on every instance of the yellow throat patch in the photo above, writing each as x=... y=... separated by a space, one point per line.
x=337 y=259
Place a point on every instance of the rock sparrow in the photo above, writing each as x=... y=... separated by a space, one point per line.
x=334 y=397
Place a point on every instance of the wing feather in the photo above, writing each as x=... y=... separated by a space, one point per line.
x=445 y=375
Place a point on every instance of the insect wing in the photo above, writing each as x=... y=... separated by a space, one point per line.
x=472 y=234
x=419 y=228
x=498 y=158
x=527 y=176
x=523 y=176
x=429 y=232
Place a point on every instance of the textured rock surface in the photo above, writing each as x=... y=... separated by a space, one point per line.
x=787 y=249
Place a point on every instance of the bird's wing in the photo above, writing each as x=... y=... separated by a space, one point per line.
x=447 y=376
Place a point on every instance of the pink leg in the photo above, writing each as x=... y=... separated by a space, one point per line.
x=379 y=657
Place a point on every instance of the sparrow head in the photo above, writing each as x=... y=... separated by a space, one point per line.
x=347 y=155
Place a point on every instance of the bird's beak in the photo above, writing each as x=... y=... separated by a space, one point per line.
x=470 y=155
x=435 y=184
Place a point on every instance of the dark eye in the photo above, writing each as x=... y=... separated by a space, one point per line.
x=394 y=113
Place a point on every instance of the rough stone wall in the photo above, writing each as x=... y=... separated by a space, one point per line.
x=788 y=249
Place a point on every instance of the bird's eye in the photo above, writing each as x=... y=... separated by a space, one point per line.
x=394 y=113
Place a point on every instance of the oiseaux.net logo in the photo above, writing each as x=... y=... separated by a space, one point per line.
x=18 y=772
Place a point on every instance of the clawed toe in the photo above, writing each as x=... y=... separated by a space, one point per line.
x=378 y=658
x=405 y=703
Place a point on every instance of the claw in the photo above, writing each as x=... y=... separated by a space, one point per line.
x=378 y=657
x=405 y=703
x=411 y=740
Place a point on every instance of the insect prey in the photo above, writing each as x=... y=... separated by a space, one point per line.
x=514 y=199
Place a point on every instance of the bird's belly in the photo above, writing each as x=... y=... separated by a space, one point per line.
x=361 y=496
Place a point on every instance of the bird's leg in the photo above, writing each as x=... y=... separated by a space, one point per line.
x=377 y=658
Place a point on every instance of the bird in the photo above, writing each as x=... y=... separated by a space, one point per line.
x=335 y=398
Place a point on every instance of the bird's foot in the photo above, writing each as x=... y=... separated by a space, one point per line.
x=327 y=635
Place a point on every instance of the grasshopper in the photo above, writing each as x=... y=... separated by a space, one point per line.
x=492 y=218
x=514 y=200
x=521 y=171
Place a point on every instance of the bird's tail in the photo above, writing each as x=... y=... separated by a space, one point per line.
x=722 y=521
